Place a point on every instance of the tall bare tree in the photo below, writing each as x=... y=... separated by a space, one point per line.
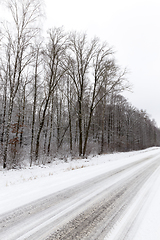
x=79 y=59
x=37 y=65
x=18 y=38
x=53 y=58
x=92 y=68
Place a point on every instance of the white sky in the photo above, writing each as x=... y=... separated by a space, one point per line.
x=132 y=28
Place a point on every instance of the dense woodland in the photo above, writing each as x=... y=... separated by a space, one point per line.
x=62 y=95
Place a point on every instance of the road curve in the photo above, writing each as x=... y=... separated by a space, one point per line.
x=88 y=210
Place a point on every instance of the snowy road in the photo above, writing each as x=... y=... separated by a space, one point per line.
x=92 y=209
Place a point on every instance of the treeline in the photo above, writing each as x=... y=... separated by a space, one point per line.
x=62 y=94
x=122 y=127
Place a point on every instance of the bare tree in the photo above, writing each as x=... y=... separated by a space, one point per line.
x=35 y=80
x=18 y=37
x=92 y=68
x=104 y=70
x=79 y=59
x=53 y=58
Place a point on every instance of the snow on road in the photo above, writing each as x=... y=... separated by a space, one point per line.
x=19 y=187
x=148 y=223
x=133 y=225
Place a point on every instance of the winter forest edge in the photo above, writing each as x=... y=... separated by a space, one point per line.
x=62 y=95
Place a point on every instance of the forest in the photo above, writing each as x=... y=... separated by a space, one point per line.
x=62 y=95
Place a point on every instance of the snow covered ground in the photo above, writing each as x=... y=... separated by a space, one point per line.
x=19 y=187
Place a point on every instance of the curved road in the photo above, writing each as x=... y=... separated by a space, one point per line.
x=88 y=210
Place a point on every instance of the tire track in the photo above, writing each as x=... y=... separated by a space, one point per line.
x=95 y=222
x=93 y=213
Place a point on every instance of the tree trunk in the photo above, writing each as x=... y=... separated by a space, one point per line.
x=51 y=130
x=7 y=134
x=80 y=128
x=40 y=128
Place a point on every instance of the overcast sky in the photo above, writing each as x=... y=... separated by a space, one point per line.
x=132 y=28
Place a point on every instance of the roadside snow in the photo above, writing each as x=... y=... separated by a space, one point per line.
x=148 y=224
x=19 y=187
x=12 y=177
